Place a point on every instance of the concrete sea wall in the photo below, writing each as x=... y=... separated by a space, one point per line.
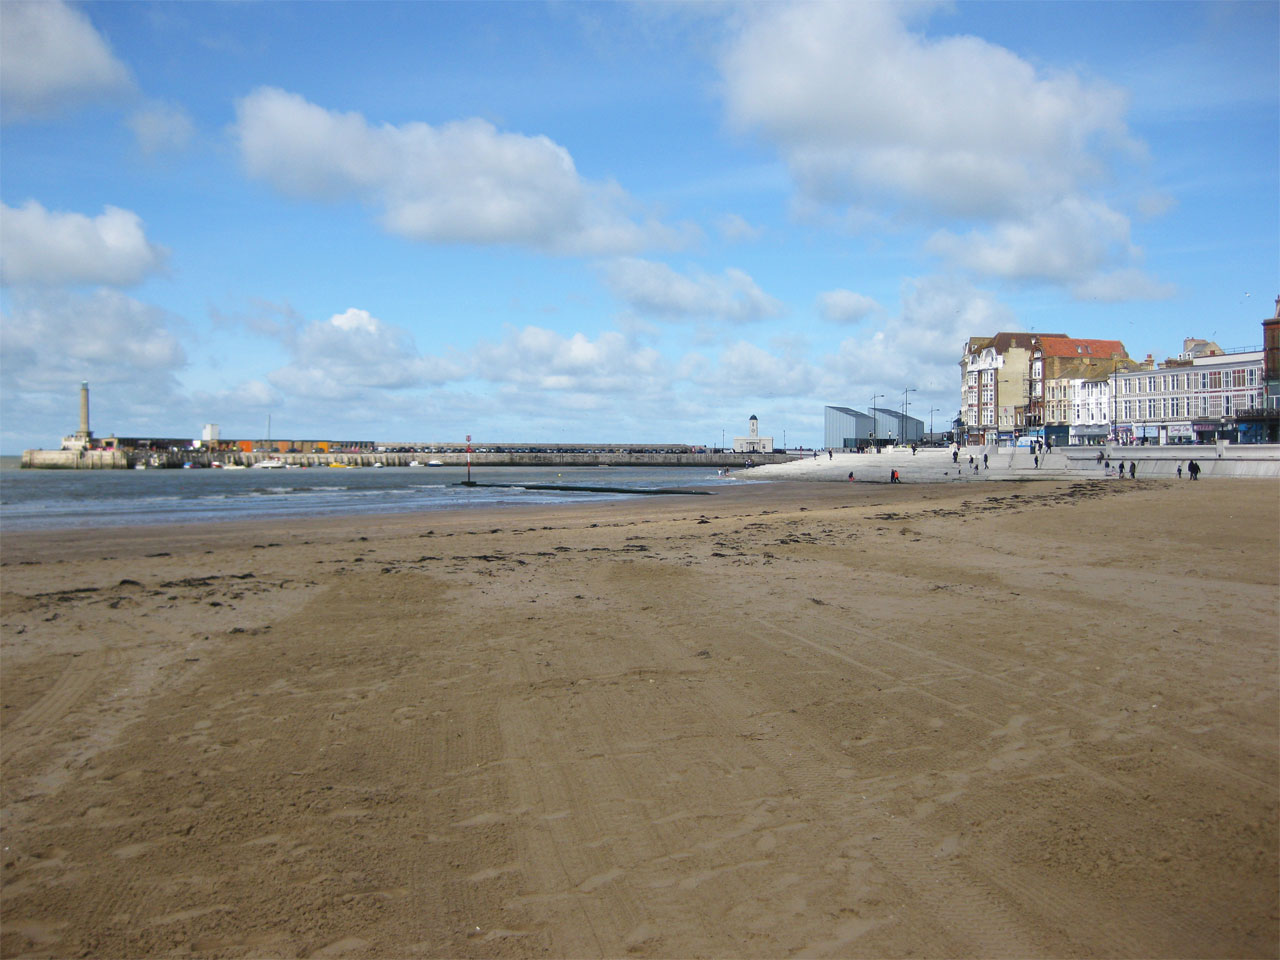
x=111 y=459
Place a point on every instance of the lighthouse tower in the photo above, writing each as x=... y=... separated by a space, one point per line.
x=83 y=438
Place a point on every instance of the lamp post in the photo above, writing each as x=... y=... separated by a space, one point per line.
x=871 y=412
x=932 y=411
x=905 y=407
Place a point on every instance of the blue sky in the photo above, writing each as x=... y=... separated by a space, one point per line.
x=594 y=222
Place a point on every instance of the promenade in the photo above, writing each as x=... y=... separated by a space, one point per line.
x=934 y=464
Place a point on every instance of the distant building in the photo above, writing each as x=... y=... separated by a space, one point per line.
x=1206 y=394
x=894 y=426
x=753 y=442
x=995 y=385
x=1056 y=362
x=845 y=428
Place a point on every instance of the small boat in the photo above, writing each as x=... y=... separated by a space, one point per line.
x=434 y=463
x=234 y=466
x=339 y=466
x=271 y=463
x=379 y=464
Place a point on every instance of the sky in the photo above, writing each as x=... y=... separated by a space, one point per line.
x=609 y=222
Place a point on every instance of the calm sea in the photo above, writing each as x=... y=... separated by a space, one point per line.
x=61 y=499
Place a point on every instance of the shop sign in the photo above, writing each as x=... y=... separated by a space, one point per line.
x=1204 y=427
x=1180 y=430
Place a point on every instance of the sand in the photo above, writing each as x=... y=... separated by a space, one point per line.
x=1021 y=720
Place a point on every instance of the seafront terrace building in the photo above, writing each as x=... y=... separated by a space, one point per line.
x=1057 y=362
x=996 y=385
x=1206 y=394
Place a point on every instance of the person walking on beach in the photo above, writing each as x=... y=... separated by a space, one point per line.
x=1133 y=469
x=893 y=477
x=829 y=455
x=1179 y=471
x=1193 y=469
x=1120 y=470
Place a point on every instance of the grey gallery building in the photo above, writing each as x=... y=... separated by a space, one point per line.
x=845 y=428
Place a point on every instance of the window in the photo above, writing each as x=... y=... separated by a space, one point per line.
x=1237 y=378
x=1128 y=409
x=1204 y=381
x=1253 y=376
x=1215 y=380
x=1151 y=384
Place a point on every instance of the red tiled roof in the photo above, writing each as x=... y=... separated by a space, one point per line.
x=1072 y=347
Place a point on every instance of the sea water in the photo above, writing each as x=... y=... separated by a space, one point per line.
x=66 y=499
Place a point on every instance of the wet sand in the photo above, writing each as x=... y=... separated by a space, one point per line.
x=1020 y=720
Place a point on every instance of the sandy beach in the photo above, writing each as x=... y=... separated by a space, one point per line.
x=790 y=719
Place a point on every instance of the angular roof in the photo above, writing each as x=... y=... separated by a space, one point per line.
x=1073 y=347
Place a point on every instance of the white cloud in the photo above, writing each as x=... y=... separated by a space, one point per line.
x=160 y=127
x=543 y=360
x=845 y=306
x=871 y=115
x=738 y=229
x=51 y=57
x=462 y=182
x=43 y=247
x=861 y=105
x=657 y=290
x=1062 y=242
x=55 y=338
x=920 y=347
x=1076 y=243
x=1121 y=286
x=748 y=370
x=352 y=354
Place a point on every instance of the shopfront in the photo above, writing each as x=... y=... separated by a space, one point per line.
x=1084 y=435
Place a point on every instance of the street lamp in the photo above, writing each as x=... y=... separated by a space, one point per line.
x=932 y=411
x=871 y=412
x=905 y=407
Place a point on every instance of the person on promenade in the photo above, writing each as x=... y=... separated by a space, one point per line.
x=1036 y=458
x=829 y=455
x=984 y=462
x=955 y=456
